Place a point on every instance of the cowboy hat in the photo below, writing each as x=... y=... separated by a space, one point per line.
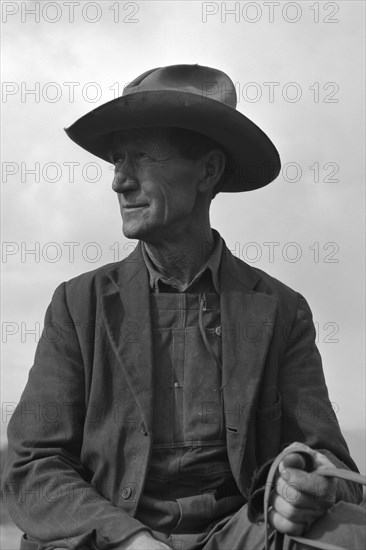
x=197 y=98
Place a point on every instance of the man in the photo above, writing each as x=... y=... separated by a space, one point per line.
x=165 y=385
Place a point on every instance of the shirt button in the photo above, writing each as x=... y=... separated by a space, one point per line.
x=218 y=331
x=126 y=492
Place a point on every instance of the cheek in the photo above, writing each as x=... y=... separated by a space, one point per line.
x=169 y=195
x=156 y=190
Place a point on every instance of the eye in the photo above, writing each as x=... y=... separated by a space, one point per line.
x=143 y=156
x=118 y=158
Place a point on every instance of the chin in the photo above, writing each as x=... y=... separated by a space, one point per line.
x=132 y=231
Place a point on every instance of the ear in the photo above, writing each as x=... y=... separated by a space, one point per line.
x=212 y=168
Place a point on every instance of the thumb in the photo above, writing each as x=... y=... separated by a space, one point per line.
x=293 y=460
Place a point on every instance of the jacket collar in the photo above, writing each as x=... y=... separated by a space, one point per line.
x=232 y=270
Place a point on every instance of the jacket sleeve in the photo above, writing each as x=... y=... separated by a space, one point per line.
x=307 y=413
x=46 y=485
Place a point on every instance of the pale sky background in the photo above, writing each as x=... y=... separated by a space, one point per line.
x=326 y=56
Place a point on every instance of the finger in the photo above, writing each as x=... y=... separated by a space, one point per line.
x=291 y=492
x=297 y=515
x=307 y=482
x=321 y=489
x=284 y=525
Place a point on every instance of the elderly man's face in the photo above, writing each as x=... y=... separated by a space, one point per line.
x=157 y=188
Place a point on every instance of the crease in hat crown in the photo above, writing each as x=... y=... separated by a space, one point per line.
x=198 y=80
x=194 y=97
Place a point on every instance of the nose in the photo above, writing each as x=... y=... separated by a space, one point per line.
x=125 y=177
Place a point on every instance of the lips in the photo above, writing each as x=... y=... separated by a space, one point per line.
x=133 y=206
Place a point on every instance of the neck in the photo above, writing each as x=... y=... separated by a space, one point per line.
x=183 y=257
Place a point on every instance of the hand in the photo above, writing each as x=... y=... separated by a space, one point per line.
x=144 y=541
x=301 y=497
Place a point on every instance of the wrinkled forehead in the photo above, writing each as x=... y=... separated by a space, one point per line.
x=141 y=136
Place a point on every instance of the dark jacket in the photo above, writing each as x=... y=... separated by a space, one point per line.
x=80 y=438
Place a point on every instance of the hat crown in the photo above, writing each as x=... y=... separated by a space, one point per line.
x=206 y=82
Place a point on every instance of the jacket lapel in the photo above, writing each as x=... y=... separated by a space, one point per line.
x=247 y=319
x=126 y=309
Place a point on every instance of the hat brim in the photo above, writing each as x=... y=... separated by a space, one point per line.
x=254 y=161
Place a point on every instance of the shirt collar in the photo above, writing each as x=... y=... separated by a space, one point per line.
x=212 y=264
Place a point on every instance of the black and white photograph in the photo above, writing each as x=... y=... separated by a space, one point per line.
x=183 y=275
